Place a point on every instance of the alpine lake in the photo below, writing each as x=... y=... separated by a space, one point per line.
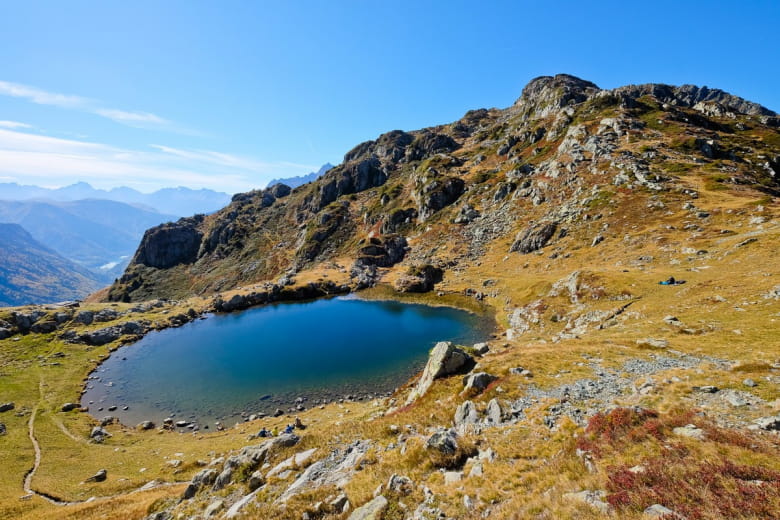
x=276 y=357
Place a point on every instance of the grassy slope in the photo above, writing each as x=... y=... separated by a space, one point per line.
x=532 y=460
x=722 y=304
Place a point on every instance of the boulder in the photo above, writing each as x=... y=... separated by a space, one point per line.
x=652 y=343
x=691 y=430
x=213 y=508
x=25 y=320
x=466 y=214
x=102 y=336
x=100 y=476
x=256 y=479
x=659 y=511
x=98 y=434
x=2 y=429
x=44 y=327
x=371 y=511
x=85 y=317
x=445 y=359
x=106 y=315
x=466 y=414
x=146 y=425
x=6 y=407
x=496 y=412
x=477 y=382
x=594 y=499
x=419 y=279
x=67 y=407
x=132 y=327
x=203 y=478
x=444 y=442
x=768 y=423
x=400 y=484
x=481 y=348
x=295 y=461
x=534 y=238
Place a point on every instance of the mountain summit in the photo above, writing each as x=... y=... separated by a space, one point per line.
x=566 y=167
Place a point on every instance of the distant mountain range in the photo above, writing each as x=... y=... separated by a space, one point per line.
x=99 y=235
x=300 y=180
x=181 y=202
x=33 y=273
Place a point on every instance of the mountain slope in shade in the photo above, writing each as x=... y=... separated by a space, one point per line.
x=179 y=201
x=32 y=273
x=300 y=180
x=91 y=233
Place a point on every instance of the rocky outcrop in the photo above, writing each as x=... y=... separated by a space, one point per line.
x=170 y=244
x=382 y=252
x=547 y=94
x=444 y=360
x=534 y=238
x=336 y=469
x=428 y=144
x=419 y=279
x=691 y=95
x=347 y=179
x=397 y=219
x=434 y=193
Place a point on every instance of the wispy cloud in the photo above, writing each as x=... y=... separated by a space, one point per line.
x=14 y=124
x=122 y=116
x=125 y=117
x=41 y=97
x=233 y=161
x=32 y=158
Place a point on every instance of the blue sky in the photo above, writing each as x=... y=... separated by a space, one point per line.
x=227 y=95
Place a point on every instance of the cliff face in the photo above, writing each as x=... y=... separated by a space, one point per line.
x=518 y=179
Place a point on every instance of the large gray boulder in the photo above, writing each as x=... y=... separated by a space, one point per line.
x=534 y=238
x=445 y=359
x=443 y=441
x=466 y=414
x=477 y=382
x=203 y=478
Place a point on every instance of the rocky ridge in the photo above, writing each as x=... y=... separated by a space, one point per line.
x=534 y=171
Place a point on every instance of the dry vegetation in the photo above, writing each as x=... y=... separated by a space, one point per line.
x=725 y=317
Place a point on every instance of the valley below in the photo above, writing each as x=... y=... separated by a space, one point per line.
x=514 y=355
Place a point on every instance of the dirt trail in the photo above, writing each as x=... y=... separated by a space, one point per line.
x=27 y=484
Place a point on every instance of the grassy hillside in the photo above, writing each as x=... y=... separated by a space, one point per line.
x=611 y=393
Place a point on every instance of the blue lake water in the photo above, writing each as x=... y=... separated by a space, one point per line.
x=265 y=358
